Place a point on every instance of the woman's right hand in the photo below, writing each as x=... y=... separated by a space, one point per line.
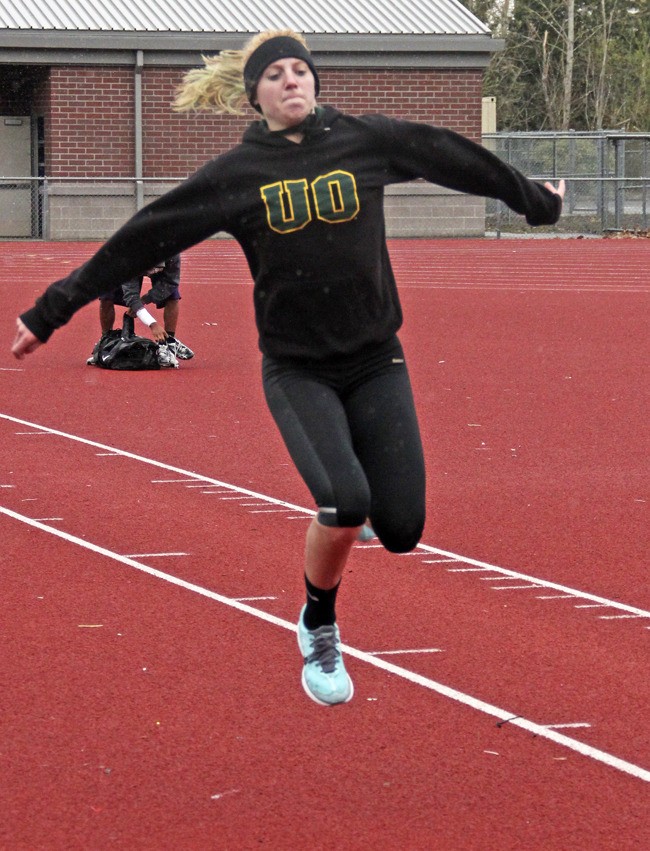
x=25 y=342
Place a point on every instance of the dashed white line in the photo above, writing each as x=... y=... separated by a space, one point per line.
x=169 y=481
x=558 y=597
x=154 y=555
x=566 y=591
x=253 y=599
x=571 y=726
x=239 y=493
x=539 y=730
x=620 y=617
x=465 y=569
x=400 y=652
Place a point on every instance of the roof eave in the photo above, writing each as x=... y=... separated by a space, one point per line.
x=330 y=49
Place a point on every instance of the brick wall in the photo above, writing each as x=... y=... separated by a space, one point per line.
x=91 y=121
x=90 y=127
x=176 y=145
x=450 y=98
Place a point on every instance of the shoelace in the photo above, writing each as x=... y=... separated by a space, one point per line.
x=324 y=650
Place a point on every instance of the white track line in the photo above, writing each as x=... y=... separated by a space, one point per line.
x=567 y=592
x=503 y=715
x=446 y=555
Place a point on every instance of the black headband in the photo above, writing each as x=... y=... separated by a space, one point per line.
x=279 y=47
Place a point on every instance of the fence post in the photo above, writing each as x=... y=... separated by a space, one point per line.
x=573 y=158
x=644 y=183
x=44 y=205
x=601 y=209
x=619 y=186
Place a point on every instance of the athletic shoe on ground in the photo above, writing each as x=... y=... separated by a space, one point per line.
x=166 y=358
x=324 y=677
x=181 y=351
x=91 y=361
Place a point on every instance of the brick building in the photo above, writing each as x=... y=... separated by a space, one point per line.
x=86 y=91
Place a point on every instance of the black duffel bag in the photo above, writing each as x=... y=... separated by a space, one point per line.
x=125 y=350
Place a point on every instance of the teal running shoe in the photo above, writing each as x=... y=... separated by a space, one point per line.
x=366 y=533
x=324 y=677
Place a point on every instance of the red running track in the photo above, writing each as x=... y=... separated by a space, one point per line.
x=152 y=534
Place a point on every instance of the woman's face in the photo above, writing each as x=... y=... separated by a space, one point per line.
x=286 y=93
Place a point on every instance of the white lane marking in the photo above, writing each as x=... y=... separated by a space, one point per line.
x=618 y=617
x=494 y=578
x=417 y=679
x=169 y=481
x=153 y=555
x=272 y=511
x=244 y=492
x=557 y=597
x=463 y=569
x=573 y=725
x=515 y=574
x=239 y=492
x=253 y=599
x=399 y=652
x=219 y=795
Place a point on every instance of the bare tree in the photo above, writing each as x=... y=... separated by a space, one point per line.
x=581 y=64
x=570 y=41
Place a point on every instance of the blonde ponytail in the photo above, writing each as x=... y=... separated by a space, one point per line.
x=219 y=85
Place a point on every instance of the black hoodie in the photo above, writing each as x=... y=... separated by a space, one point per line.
x=310 y=221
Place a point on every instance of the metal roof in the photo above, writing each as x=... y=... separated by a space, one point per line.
x=363 y=17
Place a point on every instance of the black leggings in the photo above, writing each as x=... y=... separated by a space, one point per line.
x=352 y=432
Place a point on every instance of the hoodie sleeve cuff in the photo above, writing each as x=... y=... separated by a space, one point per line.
x=549 y=213
x=33 y=320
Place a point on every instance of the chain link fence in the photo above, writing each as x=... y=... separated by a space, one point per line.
x=607 y=174
x=72 y=208
x=20 y=207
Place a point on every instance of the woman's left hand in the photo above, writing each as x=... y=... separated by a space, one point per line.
x=561 y=188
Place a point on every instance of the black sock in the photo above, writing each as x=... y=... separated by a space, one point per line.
x=320 y=609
